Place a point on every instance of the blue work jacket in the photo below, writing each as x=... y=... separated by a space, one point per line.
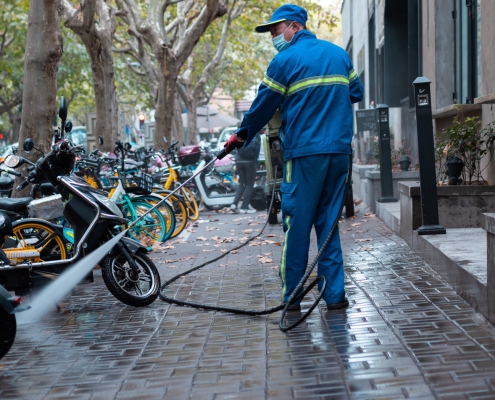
x=314 y=85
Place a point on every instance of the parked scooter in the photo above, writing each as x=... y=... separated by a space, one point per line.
x=128 y=272
x=216 y=193
x=9 y=306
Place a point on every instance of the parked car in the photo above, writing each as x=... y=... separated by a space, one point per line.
x=225 y=135
x=78 y=136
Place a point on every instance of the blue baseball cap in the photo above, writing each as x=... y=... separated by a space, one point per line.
x=287 y=12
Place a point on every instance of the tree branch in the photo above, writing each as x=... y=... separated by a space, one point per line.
x=80 y=20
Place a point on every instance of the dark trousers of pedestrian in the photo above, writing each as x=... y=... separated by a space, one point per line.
x=312 y=193
x=247 y=174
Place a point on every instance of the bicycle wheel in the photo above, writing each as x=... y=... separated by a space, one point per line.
x=35 y=235
x=180 y=212
x=191 y=204
x=166 y=211
x=152 y=227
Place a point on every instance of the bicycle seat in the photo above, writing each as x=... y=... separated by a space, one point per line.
x=14 y=204
x=6 y=182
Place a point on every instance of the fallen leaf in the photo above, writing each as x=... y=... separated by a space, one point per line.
x=234 y=252
x=170 y=261
x=365 y=249
x=208 y=250
x=172 y=266
x=369 y=215
x=223 y=250
x=168 y=247
x=364 y=240
x=202 y=238
x=186 y=258
x=274 y=267
x=271 y=235
x=357 y=202
x=357 y=224
x=265 y=260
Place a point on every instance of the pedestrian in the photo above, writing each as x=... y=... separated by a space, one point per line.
x=246 y=160
x=313 y=83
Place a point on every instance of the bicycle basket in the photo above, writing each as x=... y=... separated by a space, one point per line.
x=138 y=183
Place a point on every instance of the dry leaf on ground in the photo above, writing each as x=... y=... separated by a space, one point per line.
x=202 y=238
x=365 y=249
x=186 y=258
x=357 y=224
x=265 y=260
x=357 y=202
x=364 y=240
x=170 y=261
x=171 y=266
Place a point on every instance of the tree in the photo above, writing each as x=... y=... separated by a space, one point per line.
x=43 y=53
x=192 y=93
x=169 y=45
x=97 y=35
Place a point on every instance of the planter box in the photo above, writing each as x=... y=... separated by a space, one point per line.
x=458 y=206
x=374 y=189
x=359 y=180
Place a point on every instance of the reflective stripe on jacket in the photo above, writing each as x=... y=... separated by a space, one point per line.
x=314 y=85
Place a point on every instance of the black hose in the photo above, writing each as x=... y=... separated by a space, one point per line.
x=292 y=299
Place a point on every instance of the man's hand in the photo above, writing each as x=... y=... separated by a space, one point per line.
x=236 y=141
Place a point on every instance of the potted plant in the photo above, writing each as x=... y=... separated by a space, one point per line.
x=461 y=149
x=401 y=158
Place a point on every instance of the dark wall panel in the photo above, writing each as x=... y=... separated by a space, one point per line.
x=396 y=52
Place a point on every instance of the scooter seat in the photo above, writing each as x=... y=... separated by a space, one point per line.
x=6 y=182
x=14 y=204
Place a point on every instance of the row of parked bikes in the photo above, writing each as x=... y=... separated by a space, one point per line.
x=79 y=201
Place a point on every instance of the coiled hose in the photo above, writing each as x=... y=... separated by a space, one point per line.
x=293 y=297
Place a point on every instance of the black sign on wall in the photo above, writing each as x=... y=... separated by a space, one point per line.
x=366 y=120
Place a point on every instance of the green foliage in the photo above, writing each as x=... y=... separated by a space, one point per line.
x=248 y=53
x=467 y=140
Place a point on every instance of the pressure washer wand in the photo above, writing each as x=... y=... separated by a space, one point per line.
x=219 y=156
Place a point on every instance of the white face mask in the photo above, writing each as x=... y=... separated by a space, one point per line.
x=279 y=41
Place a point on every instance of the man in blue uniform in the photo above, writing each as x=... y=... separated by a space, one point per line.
x=313 y=83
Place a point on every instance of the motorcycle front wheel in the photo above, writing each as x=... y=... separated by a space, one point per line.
x=131 y=289
x=8 y=329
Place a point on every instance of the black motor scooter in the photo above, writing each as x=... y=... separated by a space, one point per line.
x=128 y=272
x=9 y=305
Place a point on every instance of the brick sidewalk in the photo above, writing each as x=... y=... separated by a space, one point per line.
x=406 y=334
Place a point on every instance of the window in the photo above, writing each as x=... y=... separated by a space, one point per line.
x=467 y=51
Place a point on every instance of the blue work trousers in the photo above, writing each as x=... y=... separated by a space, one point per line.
x=312 y=193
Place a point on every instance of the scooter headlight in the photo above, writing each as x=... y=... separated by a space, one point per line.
x=105 y=201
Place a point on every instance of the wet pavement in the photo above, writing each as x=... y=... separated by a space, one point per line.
x=405 y=334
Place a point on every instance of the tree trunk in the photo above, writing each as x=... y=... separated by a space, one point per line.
x=165 y=101
x=97 y=35
x=99 y=47
x=192 y=119
x=178 y=126
x=43 y=53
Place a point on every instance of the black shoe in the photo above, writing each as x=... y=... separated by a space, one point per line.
x=337 y=306
x=294 y=307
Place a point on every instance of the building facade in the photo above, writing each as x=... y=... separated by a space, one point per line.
x=391 y=42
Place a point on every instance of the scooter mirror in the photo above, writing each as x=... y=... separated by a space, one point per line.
x=68 y=126
x=127 y=146
x=100 y=140
x=28 y=144
x=62 y=112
